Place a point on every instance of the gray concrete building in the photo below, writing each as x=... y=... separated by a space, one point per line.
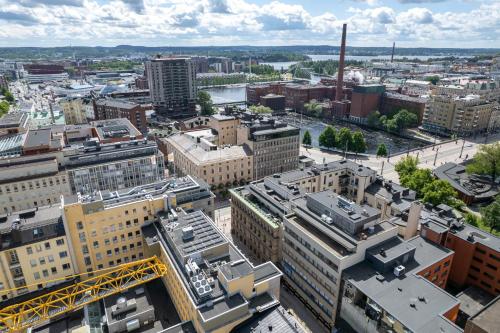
x=172 y=86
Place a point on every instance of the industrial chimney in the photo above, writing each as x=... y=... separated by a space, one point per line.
x=339 y=91
x=392 y=54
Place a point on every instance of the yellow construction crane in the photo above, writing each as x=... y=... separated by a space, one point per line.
x=20 y=316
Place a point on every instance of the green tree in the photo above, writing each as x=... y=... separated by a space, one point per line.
x=381 y=150
x=205 y=102
x=314 y=109
x=406 y=166
x=328 y=137
x=4 y=107
x=405 y=119
x=260 y=109
x=373 y=119
x=344 y=139
x=439 y=192
x=486 y=161
x=433 y=79
x=491 y=215
x=472 y=219
x=358 y=142
x=417 y=180
x=307 y=139
x=391 y=125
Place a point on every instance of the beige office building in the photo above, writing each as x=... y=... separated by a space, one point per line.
x=34 y=251
x=105 y=229
x=197 y=153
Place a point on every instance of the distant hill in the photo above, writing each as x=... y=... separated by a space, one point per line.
x=230 y=51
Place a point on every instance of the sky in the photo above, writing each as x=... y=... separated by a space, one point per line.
x=410 y=23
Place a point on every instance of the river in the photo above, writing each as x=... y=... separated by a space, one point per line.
x=319 y=57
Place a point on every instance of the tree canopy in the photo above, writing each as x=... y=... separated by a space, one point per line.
x=382 y=150
x=438 y=192
x=328 y=138
x=417 y=180
x=358 y=142
x=406 y=166
x=344 y=139
x=205 y=101
x=307 y=138
x=486 y=161
x=491 y=214
x=260 y=109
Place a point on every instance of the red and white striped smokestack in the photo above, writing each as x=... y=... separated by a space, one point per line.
x=339 y=91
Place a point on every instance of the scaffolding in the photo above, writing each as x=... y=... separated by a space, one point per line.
x=35 y=311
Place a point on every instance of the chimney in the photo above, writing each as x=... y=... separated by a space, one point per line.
x=392 y=54
x=413 y=220
x=339 y=91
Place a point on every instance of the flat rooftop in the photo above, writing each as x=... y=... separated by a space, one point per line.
x=397 y=295
x=474 y=299
x=159 y=188
x=194 y=235
x=488 y=318
x=276 y=319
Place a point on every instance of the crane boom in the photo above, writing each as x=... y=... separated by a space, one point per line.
x=34 y=311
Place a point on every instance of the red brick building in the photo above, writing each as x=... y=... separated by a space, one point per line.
x=365 y=100
x=477 y=253
x=113 y=108
x=393 y=102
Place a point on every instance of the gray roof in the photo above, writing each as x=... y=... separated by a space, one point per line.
x=116 y=103
x=396 y=294
x=276 y=318
x=488 y=318
x=471 y=185
x=39 y=137
x=474 y=299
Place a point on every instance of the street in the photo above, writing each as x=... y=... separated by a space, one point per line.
x=442 y=153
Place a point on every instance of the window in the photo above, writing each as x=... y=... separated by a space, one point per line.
x=45 y=273
x=111 y=263
x=50 y=257
x=106 y=241
x=47 y=246
x=98 y=256
x=109 y=253
x=53 y=270
x=41 y=260
x=36 y=275
x=63 y=254
x=79 y=225
x=66 y=267
x=87 y=261
x=33 y=262
x=136 y=221
x=100 y=266
x=29 y=250
x=60 y=242
x=96 y=244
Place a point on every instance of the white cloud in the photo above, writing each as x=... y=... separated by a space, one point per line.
x=224 y=22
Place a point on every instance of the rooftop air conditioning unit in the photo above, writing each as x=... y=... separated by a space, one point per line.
x=399 y=270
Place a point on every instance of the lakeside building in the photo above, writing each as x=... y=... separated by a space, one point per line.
x=172 y=86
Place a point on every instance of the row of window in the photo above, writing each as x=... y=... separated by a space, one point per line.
x=53 y=270
x=46 y=245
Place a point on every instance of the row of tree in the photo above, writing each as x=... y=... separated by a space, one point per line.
x=7 y=95
x=344 y=139
x=394 y=123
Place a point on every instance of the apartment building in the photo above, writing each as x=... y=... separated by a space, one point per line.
x=464 y=116
x=104 y=229
x=107 y=108
x=74 y=110
x=479 y=251
x=257 y=211
x=274 y=146
x=397 y=288
x=172 y=86
x=34 y=251
x=197 y=153
x=211 y=283
x=259 y=208
x=326 y=235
